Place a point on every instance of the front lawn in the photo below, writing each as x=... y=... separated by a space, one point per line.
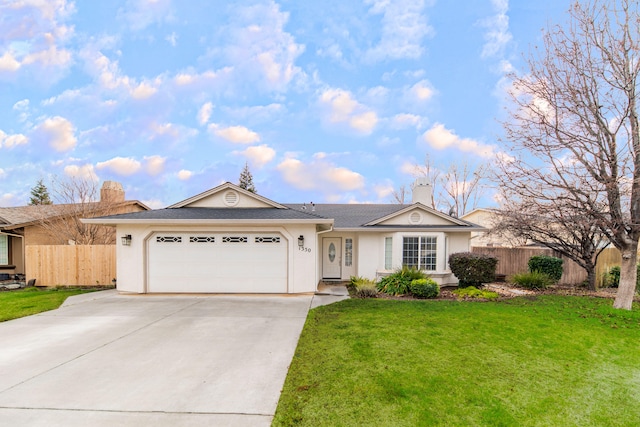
x=541 y=361
x=28 y=301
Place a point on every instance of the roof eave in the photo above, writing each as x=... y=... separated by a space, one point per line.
x=114 y=222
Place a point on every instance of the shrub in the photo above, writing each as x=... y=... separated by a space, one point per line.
x=424 y=288
x=366 y=291
x=612 y=277
x=473 y=269
x=549 y=265
x=398 y=282
x=363 y=288
x=473 y=292
x=532 y=280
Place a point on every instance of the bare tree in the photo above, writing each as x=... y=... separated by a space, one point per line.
x=574 y=126
x=462 y=187
x=400 y=195
x=74 y=199
x=456 y=191
x=556 y=224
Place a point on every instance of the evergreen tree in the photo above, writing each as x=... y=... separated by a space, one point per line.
x=246 y=179
x=40 y=194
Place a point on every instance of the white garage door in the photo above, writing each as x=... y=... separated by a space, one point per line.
x=232 y=262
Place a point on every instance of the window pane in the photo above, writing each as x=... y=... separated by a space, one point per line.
x=428 y=253
x=4 y=249
x=348 y=252
x=388 y=255
x=410 y=252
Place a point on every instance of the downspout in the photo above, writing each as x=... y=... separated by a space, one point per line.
x=320 y=251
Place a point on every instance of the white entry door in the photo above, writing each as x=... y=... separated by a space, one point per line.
x=332 y=258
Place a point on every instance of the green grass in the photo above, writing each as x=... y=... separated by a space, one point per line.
x=546 y=361
x=28 y=301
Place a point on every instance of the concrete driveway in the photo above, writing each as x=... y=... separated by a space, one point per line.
x=105 y=359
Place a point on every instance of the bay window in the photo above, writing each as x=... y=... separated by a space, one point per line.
x=420 y=252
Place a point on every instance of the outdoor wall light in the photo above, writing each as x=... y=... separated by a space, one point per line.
x=301 y=241
x=126 y=240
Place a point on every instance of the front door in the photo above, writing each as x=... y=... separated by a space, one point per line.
x=332 y=258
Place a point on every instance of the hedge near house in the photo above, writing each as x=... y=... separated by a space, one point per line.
x=473 y=269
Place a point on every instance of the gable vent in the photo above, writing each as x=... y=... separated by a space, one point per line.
x=231 y=198
x=415 y=218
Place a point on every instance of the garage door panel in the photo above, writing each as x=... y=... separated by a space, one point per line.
x=219 y=263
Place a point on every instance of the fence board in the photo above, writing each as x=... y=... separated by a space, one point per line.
x=80 y=265
x=515 y=260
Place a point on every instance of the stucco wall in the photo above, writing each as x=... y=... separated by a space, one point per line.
x=132 y=263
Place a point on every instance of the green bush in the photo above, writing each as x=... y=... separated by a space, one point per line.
x=473 y=269
x=532 y=280
x=424 y=288
x=398 y=282
x=612 y=277
x=549 y=265
x=473 y=292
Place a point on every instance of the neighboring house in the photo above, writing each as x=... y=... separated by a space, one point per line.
x=487 y=218
x=37 y=225
x=229 y=240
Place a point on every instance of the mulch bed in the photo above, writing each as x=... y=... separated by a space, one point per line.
x=506 y=291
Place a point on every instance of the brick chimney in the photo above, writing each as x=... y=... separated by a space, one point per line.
x=111 y=192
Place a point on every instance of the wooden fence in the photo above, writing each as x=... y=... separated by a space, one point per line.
x=79 y=265
x=515 y=260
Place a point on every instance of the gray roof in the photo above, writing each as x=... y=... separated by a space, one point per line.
x=344 y=216
x=349 y=215
x=216 y=214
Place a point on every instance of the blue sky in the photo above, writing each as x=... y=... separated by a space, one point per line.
x=328 y=101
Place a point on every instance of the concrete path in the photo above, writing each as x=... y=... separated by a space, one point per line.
x=105 y=359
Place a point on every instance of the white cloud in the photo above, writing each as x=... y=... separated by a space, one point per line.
x=172 y=39
x=406 y=120
x=85 y=172
x=10 y=141
x=422 y=90
x=8 y=62
x=344 y=109
x=441 y=138
x=184 y=175
x=143 y=91
x=58 y=132
x=497 y=36
x=383 y=191
x=259 y=46
x=235 y=134
x=319 y=174
x=364 y=123
x=139 y=14
x=124 y=166
x=204 y=114
x=258 y=155
x=154 y=165
x=404 y=26
x=34 y=36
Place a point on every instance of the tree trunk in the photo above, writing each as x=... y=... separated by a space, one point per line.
x=628 y=276
x=591 y=276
